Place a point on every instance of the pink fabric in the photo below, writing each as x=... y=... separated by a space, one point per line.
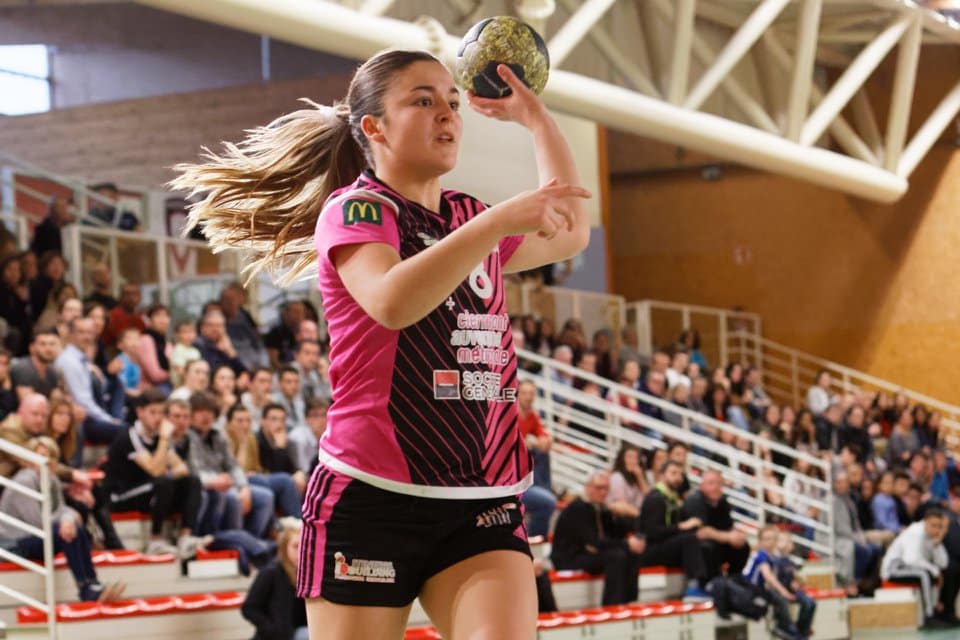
x=150 y=365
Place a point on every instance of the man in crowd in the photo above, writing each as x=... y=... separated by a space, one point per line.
x=35 y=372
x=854 y=432
x=144 y=473
x=102 y=280
x=215 y=345
x=856 y=557
x=78 y=372
x=589 y=537
x=720 y=542
x=672 y=540
x=125 y=315
x=48 y=234
x=241 y=328
x=306 y=361
x=232 y=502
x=280 y=339
x=259 y=395
x=29 y=421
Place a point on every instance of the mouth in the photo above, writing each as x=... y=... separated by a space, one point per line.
x=445 y=138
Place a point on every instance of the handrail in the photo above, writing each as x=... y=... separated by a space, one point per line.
x=76 y=185
x=47 y=569
x=578 y=302
x=599 y=451
x=846 y=380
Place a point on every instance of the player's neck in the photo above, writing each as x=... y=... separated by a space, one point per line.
x=422 y=190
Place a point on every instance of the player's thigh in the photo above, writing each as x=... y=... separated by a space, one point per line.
x=330 y=621
x=489 y=596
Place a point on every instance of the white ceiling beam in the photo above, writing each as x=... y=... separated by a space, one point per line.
x=637 y=74
x=683 y=22
x=901 y=97
x=852 y=79
x=866 y=121
x=575 y=28
x=803 y=61
x=740 y=96
x=929 y=133
x=845 y=135
x=751 y=31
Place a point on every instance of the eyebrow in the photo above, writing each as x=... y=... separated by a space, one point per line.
x=431 y=89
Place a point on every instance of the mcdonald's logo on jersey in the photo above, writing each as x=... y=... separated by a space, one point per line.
x=357 y=211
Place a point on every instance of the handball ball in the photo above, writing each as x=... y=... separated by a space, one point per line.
x=501 y=40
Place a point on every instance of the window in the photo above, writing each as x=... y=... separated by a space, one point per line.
x=24 y=79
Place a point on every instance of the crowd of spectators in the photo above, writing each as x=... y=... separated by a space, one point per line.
x=887 y=457
x=209 y=422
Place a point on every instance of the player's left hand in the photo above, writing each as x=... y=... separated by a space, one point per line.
x=522 y=106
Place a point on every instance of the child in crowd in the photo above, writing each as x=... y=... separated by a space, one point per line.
x=786 y=569
x=130 y=374
x=760 y=571
x=183 y=350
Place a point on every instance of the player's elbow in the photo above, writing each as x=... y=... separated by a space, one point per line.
x=391 y=313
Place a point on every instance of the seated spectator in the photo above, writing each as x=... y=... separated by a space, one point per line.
x=901 y=486
x=819 y=395
x=223 y=386
x=720 y=542
x=124 y=315
x=101 y=279
x=921 y=470
x=628 y=483
x=8 y=395
x=531 y=428
x=143 y=473
x=104 y=208
x=69 y=535
x=671 y=541
x=271 y=604
x=286 y=487
x=677 y=451
x=918 y=556
x=63 y=305
x=786 y=572
x=564 y=355
x=698 y=394
x=241 y=329
x=605 y=363
x=214 y=343
x=589 y=537
x=759 y=400
x=629 y=344
x=656 y=458
x=281 y=339
x=654 y=384
x=153 y=352
x=760 y=571
x=53 y=267
x=277 y=452
x=306 y=361
x=678 y=395
x=35 y=372
x=828 y=425
x=868 y=489
x=258 y=395
x=676 y=374
x=288 y=396
x=737 y=381
x=940 y=483
x=130 y=375
x=48 y=234
x=855 y=556
x=196 y=378
x=15 y=307
x=853 y=431
x=903 y=441
x=28 y=422
x=183 y=351
x=231 y=502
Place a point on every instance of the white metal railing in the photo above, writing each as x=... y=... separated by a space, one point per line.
x=586 y=443
x=83 y=196
x=47 y=568
x=659 y=323
x=788 y=373
x=594 y=310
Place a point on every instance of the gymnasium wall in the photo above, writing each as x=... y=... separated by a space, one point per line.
x=118 y=51
x=871 y=286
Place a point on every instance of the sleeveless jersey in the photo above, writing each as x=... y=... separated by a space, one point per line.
x=430 y=409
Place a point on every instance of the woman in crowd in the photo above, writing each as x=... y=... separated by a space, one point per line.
x=272 y=605
x=196 y=377
x=628 y=483
x=155 y=350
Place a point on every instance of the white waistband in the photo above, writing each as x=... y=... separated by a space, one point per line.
x=425 y=491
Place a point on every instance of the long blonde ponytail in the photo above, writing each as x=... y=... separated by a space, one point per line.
x=264 y=194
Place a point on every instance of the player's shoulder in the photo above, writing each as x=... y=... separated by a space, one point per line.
x=359 y=205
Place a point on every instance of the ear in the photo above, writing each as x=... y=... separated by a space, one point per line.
x=370 y=125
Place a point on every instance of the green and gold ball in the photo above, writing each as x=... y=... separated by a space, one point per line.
x=501 y=40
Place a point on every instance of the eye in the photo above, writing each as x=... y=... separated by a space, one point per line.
x=455 y=105
x=425 y=102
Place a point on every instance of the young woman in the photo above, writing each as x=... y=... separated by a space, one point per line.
x=422 y=461
x=271 y=605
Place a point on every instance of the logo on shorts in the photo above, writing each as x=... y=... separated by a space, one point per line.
x=499 y=515
x=446 y=385
x=363 y=570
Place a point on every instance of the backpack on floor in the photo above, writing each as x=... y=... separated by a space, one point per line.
x=736 y=594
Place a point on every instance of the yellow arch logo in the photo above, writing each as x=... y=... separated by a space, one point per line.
x=357 y=211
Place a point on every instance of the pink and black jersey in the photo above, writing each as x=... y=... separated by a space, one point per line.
x=427 y=410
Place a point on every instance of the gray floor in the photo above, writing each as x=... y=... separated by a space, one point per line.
x=900 y=634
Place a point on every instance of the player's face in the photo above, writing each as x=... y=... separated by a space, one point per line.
x=421 y=127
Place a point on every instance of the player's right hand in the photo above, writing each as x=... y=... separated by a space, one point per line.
x=543 y=211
